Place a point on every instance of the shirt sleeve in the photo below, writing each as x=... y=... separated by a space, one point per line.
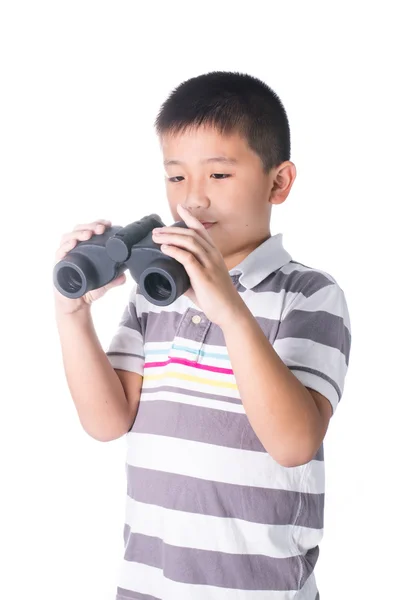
x=314 y=337
x=125 y=350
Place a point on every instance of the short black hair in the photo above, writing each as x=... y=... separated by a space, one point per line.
x=231 y=102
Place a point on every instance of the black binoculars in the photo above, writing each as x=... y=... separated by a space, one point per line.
x=93 y=263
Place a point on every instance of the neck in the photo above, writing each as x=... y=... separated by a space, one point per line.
x=235 y=258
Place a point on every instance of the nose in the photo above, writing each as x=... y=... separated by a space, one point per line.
x=196 y=197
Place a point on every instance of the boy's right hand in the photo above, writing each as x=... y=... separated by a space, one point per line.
x=64 y=305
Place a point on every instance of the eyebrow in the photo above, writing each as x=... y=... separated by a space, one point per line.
x=214 y=159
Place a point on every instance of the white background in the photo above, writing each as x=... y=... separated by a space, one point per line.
x=81 y=84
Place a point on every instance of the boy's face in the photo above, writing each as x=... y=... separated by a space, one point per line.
x=220 y=180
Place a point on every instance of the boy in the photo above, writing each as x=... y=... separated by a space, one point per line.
x=226 y=394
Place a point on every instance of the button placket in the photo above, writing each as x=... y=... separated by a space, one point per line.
x=194 y=327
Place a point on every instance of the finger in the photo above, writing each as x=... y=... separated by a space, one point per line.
x=188 y=243
x=188 y=259
x=80 y=235
x=192 y=222
x=179 y=232
x=92 y=225
x=64 y=249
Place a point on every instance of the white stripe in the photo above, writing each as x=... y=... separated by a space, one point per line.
x=150 y=580
x=182 y=398
x=218 y=463
x=126 y=339
x=265 y=304
x=127 y=363
x=181 y=341
x=206 y=388
x=298 y=352
x=164 y=346
x=204 y=532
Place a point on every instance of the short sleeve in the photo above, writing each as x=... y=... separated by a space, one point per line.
x=314 y=337
x=126 y=347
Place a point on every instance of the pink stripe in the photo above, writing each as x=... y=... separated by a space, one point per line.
x=188 y=363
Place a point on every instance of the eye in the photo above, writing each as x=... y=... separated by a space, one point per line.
x=220 y=175
x=175 y=179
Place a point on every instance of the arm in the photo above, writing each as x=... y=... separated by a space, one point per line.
x=106 y=400
x=291 y=389
x=289 y=420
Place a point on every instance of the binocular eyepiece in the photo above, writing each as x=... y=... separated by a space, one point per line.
x=93 y=263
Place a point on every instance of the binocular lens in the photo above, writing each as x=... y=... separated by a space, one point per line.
x=69 y=280
x=157 y=286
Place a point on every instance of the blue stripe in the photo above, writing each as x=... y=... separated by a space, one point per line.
x=185 y=349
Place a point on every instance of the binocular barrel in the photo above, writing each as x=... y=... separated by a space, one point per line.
x=101 y=259
x=120 y=244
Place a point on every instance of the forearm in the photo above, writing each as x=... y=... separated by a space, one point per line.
x=280 y=409
x=95 y=388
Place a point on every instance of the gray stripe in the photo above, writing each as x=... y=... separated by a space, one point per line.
x=122 y=594
x=253 y=504
x=234 y=571
x=270 y=327
x=322 y=375
x=185 y=392
x=163 y=327
x=124 y=354
x=130 y=319
x=199 y=424
x=318 y=326
x=317 y=596
x=304 y=282
x=160 y=327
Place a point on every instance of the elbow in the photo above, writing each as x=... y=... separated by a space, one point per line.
x=107 y=434
x=105 y=438
x=295 y=457
x=290 y=462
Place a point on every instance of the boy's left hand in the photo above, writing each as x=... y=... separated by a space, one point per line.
x=211 y=289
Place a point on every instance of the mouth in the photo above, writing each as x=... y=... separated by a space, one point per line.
x=206 y=224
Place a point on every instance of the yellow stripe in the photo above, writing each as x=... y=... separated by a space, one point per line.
x=173 y=375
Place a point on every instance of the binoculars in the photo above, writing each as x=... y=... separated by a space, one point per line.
x=93 y=263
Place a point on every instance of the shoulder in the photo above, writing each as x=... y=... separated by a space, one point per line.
x=305 y=279
x=312 y=289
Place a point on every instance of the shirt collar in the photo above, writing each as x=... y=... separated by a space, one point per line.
x=261 y=262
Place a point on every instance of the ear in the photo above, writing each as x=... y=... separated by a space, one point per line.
x=283 y=180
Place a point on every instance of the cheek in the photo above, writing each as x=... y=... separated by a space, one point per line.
x=233 y=199
x=173 y=202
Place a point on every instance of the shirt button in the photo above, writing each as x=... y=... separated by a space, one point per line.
x=196 y=319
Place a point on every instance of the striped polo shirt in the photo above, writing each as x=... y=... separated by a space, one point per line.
x=210 y=515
